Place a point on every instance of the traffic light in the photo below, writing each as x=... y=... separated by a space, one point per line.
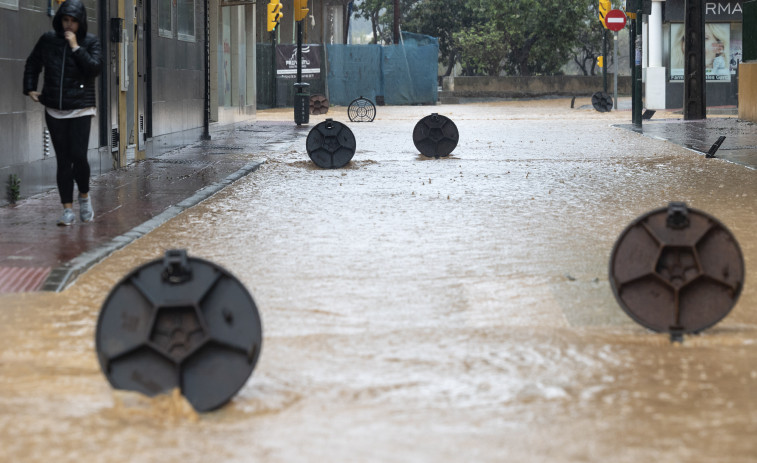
x=300 y=9
x=604 y=7
x=274 y=14
x=601 y=61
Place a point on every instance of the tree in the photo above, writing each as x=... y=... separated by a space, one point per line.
x=442 y=19
x=381 y=15
x=371 y=9
x=589 y=42
x=532 y=36
x=482 y=50
x=539 y=34
x=589 y=48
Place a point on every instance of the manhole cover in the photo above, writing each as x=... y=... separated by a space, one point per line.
x=179 y=322
x=602 y=102
x=330 y=144
x=676 y=270
x=435 y=136
x=319 y=104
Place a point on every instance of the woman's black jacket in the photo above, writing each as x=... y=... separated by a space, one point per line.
x=69 y=78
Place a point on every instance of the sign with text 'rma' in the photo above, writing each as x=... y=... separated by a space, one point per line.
x=714 y=10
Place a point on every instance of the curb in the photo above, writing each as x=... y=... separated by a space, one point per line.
x=61 y=277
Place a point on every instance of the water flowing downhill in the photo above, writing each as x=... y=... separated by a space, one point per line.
x=418 y=309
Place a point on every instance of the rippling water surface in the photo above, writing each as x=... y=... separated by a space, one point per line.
x=419 y=310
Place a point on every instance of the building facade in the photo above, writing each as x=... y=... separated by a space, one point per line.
x=162 y=83
x=664 y=55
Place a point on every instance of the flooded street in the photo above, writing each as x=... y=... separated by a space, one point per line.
x=419 y=310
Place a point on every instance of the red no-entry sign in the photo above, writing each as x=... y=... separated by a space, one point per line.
x=615 y=20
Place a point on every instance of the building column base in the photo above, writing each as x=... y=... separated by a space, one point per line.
x=655 y=88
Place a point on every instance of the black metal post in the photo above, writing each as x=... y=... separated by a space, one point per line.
x=694 y=98
x=637 y=103
x=206 y=115
x=299 y=52
x=605 y=61
x=301 y=95
x=273 y=67
x=631 y=59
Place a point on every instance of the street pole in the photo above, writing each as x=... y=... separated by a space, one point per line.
x=694 y=98
x=615 y=75
x=637 y=69
x=301 y=95
x=273 y=67
x=606 y=61
x=299 y=52
x=631 y=58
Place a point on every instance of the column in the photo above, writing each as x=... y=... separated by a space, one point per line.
x=251 y=56
x=655 y=82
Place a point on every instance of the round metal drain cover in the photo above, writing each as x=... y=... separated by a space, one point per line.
x=361 y=110
x=319 y=104
x=676 y=270
x=179 y=322
x=331 y=144
x=602 y=102
x=435 y=136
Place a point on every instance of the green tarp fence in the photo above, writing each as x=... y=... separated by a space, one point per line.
x=404 y=74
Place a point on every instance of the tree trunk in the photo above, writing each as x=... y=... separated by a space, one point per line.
x=450 y=65
x=375 y=26
x=581 y=65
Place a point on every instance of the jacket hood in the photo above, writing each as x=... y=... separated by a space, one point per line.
x=75 y=9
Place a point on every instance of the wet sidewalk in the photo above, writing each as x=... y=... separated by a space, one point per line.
x=36 y=254
x=739 y=145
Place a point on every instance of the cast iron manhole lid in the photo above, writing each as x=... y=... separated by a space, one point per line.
x=676 y=270
x=435 y=136
x=179 y=322
x=602 y=102
x=330 y=144
x=319 y=104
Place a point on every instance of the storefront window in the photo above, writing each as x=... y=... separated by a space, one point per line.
x=186 y=20
x=717 y=52
x=165 y=17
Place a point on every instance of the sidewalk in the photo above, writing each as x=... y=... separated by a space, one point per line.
x=739 y=145
x=36 y=254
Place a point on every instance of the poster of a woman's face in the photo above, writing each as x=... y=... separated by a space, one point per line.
x=716 y=52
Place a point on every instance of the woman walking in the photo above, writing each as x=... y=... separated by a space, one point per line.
x=71 y=59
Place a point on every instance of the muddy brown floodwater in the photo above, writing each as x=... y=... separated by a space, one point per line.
x=419 y=310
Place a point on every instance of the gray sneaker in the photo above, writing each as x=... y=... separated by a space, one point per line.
x=85 y=209
x=67 y=218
